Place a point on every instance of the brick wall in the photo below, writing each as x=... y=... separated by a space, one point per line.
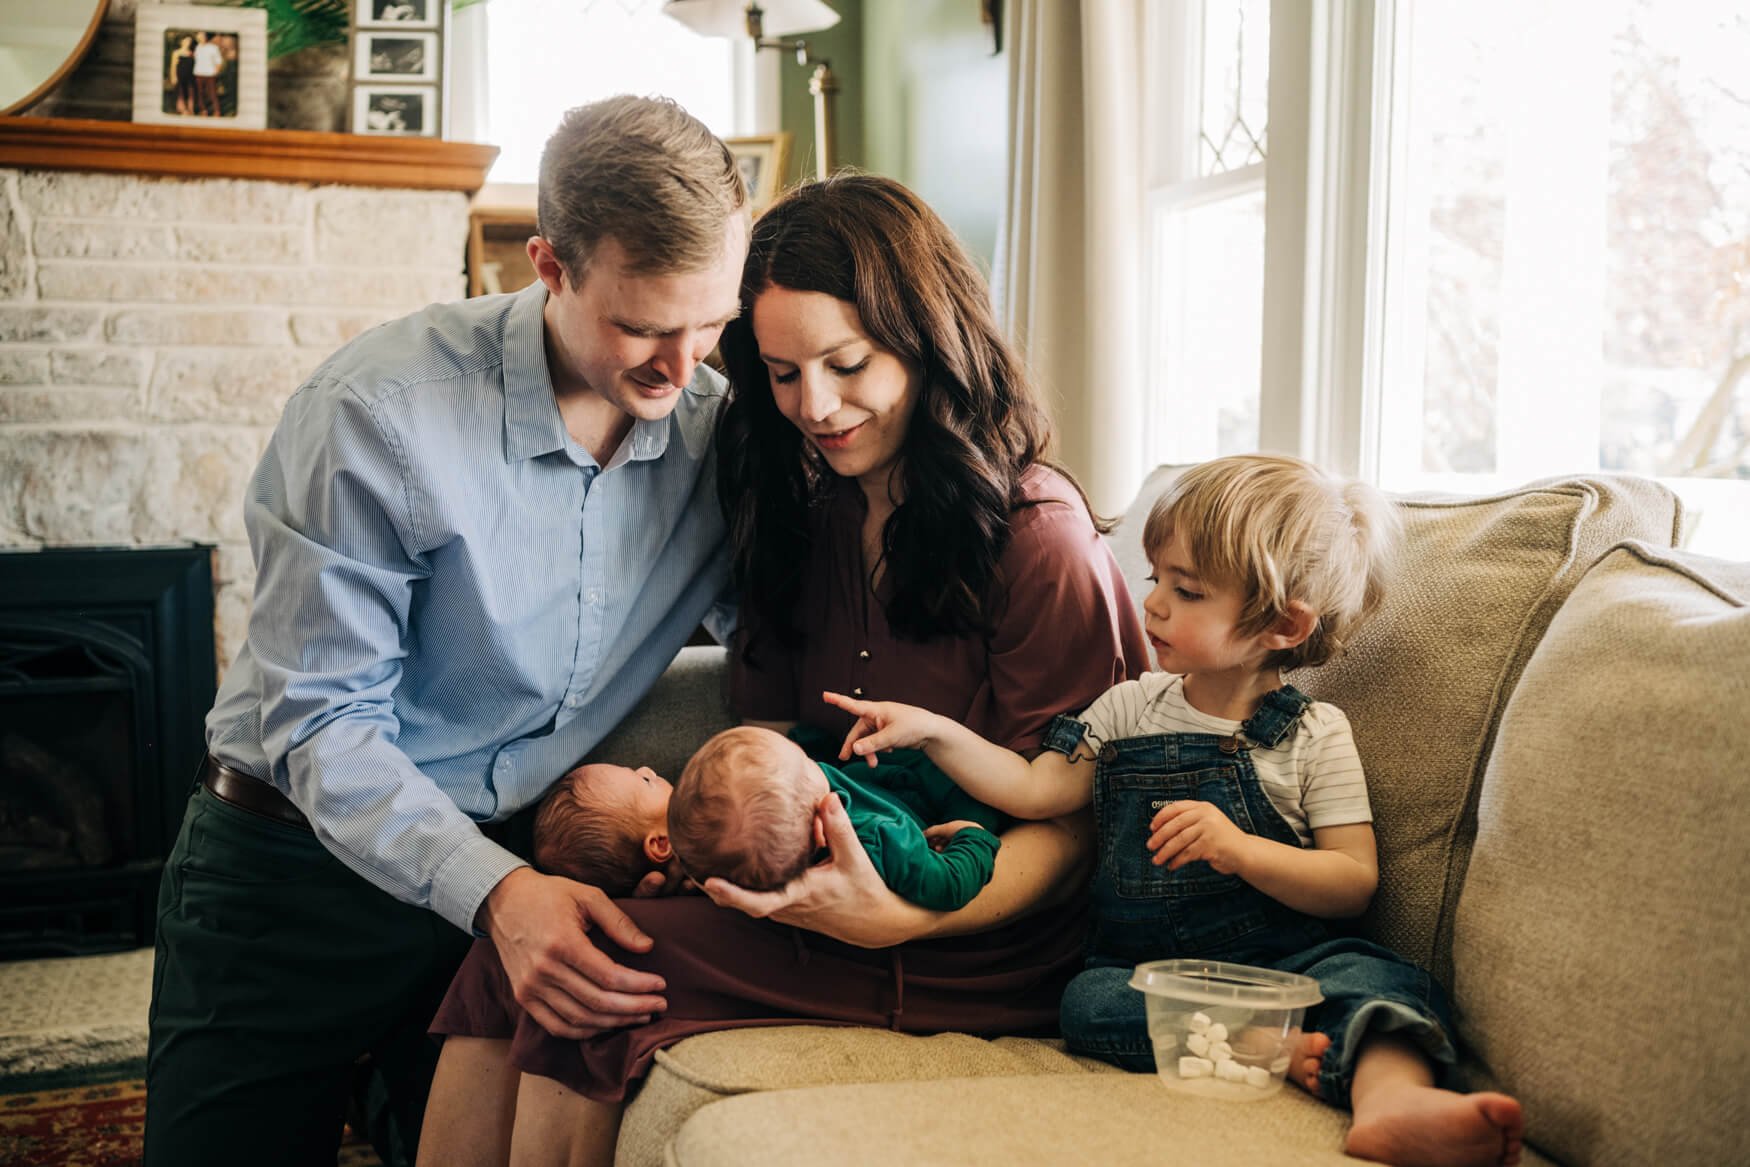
x=152 y=328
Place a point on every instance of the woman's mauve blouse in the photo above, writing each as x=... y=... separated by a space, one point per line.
x=1067 y=633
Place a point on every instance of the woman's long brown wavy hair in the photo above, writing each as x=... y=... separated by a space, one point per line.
x=976 y=429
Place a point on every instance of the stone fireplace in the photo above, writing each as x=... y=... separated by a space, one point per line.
x=151 y=328
x=106 y=661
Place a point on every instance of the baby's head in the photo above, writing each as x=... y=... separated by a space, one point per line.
x=744 y=810
x=1288 y=538
x=605 y=825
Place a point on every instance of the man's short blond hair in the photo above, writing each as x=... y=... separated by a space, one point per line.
x=1281 y=530
x=743 y=810
x=644 y=172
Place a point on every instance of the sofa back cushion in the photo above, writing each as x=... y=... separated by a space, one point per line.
x=1424 y=681
x=1601 y=942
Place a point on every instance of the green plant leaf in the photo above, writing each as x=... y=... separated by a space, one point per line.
x=299 y=24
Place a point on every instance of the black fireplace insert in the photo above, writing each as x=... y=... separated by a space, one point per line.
x=106 y=672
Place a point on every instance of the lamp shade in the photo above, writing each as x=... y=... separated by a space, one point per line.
x=728 y=18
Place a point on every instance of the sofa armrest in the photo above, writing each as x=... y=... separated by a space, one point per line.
x=688 y=703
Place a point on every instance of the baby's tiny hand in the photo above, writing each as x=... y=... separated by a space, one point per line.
x=1187 y=831
x=942 y=834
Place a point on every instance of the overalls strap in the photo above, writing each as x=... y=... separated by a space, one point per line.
x=1276 y=717
x=1064 y=734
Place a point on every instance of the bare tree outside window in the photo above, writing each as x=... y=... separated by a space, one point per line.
x=1582 y=242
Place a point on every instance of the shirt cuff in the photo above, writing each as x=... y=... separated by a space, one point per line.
x=465 y=879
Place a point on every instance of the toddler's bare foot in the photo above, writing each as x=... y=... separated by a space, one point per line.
x=1420 y=1126
x=1309 y=1055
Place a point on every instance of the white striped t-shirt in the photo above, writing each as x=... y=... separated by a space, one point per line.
x=1313 y=777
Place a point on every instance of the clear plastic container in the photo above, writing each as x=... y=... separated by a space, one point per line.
x=1223 y=1030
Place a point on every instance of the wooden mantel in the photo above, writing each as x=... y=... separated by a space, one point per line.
x=283 y=155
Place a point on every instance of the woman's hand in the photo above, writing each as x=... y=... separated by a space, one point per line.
x=844 y=897
x=883 y=725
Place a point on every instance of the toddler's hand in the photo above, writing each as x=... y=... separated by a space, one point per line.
x=1184 y=832
x=882 y=725
x=942 y=834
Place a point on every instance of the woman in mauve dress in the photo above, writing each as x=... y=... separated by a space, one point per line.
x=898 y=534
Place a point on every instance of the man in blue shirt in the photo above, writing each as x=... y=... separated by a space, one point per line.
x=480 y=534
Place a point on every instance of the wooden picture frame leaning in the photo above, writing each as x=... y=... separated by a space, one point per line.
x=764 y=162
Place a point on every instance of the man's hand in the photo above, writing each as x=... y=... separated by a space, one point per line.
x=942 y=834
x=1186 y=831
x=539 y=924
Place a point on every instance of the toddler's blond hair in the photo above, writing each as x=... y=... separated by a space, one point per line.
x=1280 y=530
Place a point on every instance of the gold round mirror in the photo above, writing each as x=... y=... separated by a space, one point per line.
x=40 y=42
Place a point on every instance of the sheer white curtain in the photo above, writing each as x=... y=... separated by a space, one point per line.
x=1069 y=260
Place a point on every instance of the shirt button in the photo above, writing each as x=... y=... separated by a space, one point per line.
x=864 y=655
x=571 y=702
x=857 y=692
x=593 y=596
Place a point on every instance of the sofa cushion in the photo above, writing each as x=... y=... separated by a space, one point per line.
x=1013 y=1122
x=713 y=1066
x=1600 y=940
x=1424 y=681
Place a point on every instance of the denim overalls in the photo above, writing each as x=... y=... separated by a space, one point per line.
x=1142 y=912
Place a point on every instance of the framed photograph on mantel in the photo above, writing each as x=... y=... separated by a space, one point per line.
x=395 y=56
x=398 y=67
x=200 y=65
x=399 y=13
x=407 y=111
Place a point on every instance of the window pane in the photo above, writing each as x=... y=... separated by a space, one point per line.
x=546 y=56
x=1210 y=283
x=1573 y=269
x=1236 y=75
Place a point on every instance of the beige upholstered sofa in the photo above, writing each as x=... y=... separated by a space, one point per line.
x=1554 y=710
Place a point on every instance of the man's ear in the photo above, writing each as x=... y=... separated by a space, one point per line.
x=1291 y=628
x=546 y=263
x=657 y=848
x=819 y=832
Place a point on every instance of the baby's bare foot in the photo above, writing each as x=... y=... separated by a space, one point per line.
x=1309 y=1055
x=1421 y=1126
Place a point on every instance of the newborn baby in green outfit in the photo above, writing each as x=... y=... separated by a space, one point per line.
x=745 y=809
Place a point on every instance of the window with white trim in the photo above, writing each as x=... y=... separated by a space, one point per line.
x=1208 y=140
x=1498 y=242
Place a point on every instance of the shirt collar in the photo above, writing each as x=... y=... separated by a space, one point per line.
x=532 y=425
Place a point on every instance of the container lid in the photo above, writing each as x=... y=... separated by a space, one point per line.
x=1218 y=982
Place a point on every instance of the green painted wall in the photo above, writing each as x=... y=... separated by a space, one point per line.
x=842 y=46
x=923 y=100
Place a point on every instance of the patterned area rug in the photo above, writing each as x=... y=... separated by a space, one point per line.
x=98 y=1126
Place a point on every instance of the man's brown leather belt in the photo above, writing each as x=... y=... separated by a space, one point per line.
x=250 y=794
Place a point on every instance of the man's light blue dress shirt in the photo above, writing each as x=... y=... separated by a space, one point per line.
x=453 y=601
